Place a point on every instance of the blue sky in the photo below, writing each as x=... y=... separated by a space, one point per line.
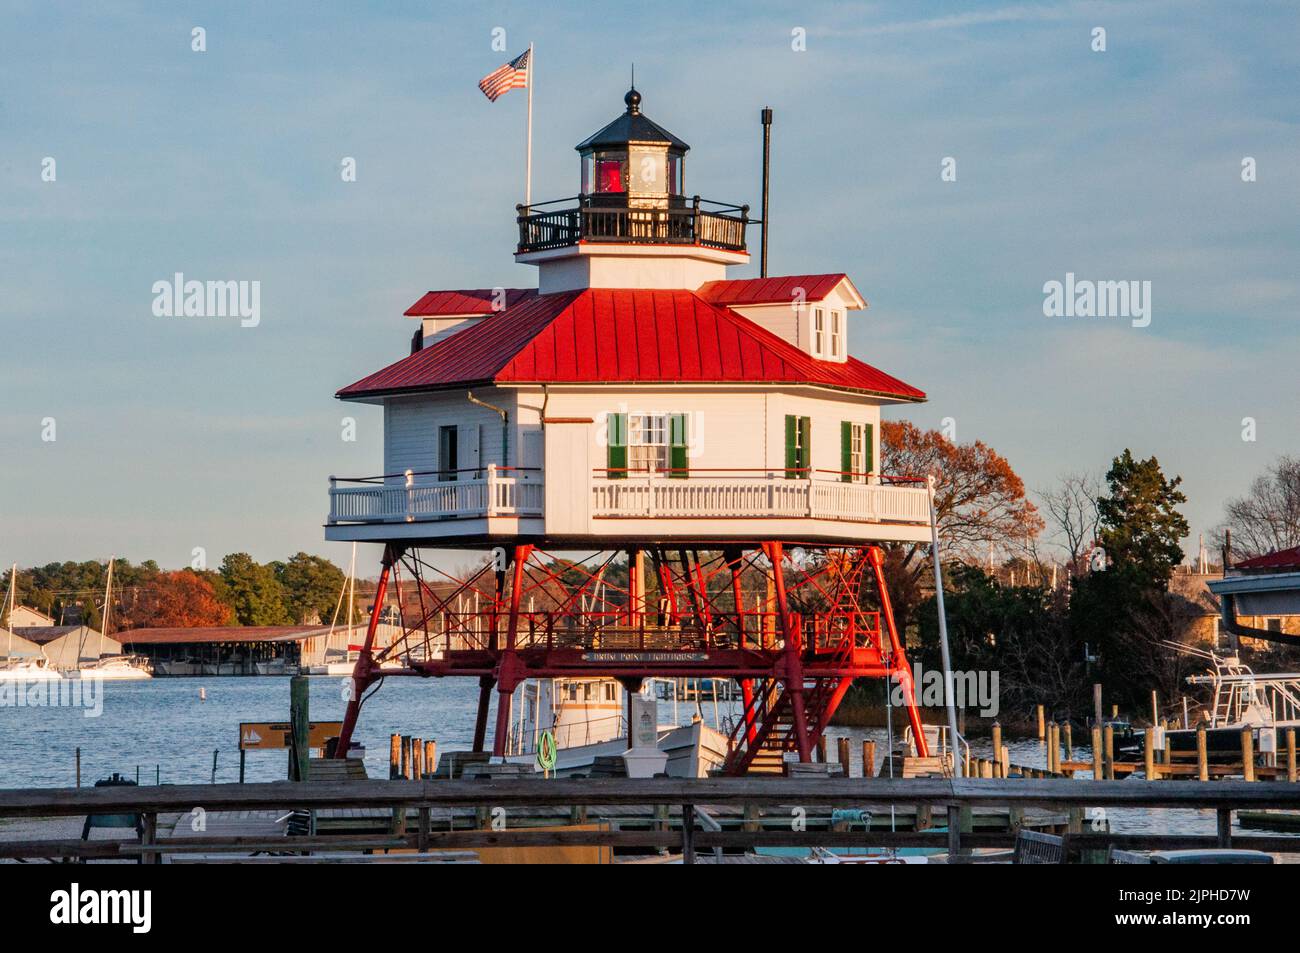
x=175 y=433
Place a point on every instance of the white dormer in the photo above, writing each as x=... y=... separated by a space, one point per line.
x=809 y=311
x=444 y=313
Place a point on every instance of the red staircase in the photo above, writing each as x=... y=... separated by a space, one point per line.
x=772 y=717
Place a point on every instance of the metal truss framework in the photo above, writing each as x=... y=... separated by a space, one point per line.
x=786 y=621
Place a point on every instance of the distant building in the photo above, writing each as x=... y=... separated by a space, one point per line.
x=1260 y=598
x=24 y=617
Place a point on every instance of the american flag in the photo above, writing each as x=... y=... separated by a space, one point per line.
x=514 y=75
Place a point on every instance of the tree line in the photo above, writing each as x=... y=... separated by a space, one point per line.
x=301 y=590
x=1113 y=539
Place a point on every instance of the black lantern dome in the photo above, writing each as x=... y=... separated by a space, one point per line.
x=633 y=161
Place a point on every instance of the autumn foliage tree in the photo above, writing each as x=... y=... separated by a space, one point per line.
x=178 y=599
x=979 y=502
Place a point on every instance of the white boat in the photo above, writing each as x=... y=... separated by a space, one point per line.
x=30 y=664
x=115 y=668
x=585 y=719
x=332 y=668
x=104 y=664
x=28 y=670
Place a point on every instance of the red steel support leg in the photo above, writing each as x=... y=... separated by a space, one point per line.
x=898 y=657
x=793 y=663
x=507 y=670
x=485 y=685
x=735 y=561
x=362 y=675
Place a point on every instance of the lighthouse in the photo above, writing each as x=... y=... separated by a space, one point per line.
x=651 y=467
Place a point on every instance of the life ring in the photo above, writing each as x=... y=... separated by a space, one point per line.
x=546 y=751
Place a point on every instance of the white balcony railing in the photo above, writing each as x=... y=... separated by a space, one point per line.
x=770 y=494
x=411 y=497
x=499 y=491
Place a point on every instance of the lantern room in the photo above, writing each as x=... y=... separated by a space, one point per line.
x=632 y=224
x=633 y=162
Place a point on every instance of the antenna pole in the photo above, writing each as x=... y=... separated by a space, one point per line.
x=766 y=118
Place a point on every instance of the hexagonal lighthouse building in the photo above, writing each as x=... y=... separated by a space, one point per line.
x=661 y=471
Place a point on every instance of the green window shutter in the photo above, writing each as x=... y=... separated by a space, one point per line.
x=846 y=451
x=869 y=448
x=805 y=445
x=677 y=461
x=791 y=450
x=616 y=440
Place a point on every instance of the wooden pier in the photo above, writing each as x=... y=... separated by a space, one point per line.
x=447 y=815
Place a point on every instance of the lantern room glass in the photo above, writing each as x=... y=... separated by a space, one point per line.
x=604 y=173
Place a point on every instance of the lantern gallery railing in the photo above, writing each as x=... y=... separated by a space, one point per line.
x=434 y=495
x=755 y=495
x=542 y=227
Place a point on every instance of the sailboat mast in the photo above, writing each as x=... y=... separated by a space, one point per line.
x=108 y=606
x=13 y=591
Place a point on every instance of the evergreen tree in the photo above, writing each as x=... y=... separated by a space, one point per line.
x=254 y=591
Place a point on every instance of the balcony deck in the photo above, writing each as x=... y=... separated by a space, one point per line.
x=500 y=502
x=542 y=228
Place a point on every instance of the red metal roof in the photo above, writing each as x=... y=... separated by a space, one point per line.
x=219 y=633
x=475 y=301
x=1281 y=559
x=620 y=336
x=781 y=289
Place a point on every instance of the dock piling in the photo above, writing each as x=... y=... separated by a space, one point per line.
x=1202 y=755
x=1098 y=773
x=1149 y=754
x=1290 y=755
x=869 y=758
x=1247 y=754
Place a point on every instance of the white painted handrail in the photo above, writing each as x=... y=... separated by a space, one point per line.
x=656 y=496
x=497 y=493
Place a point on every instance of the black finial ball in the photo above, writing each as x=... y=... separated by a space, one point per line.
x=633 y=100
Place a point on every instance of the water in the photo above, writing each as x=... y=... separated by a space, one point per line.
x=161 y=728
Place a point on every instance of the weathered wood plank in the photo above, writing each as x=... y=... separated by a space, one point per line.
x=1058 y=794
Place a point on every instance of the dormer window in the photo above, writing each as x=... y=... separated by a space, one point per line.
x=837 y=343
x=819 y=330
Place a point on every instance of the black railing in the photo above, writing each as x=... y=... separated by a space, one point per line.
x=719 y=226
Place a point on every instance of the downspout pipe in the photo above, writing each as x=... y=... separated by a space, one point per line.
x=505 y=424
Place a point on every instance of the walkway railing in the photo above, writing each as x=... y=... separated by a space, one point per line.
x=805 y=493
x=434 y=495
x=712 y=224
x=412 y=804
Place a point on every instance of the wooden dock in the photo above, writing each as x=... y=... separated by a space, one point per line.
x=680 y=815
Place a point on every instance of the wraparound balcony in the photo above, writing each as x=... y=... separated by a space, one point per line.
x=615 y=502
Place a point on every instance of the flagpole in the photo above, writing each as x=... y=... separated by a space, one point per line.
x=528 y=158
